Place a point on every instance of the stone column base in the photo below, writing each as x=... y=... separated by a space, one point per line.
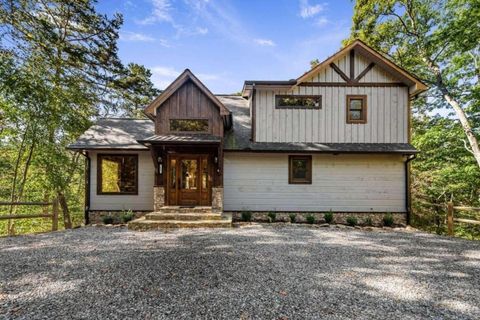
x=158 y=197
x=217 y=199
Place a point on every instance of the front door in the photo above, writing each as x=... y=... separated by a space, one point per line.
x=189 y=180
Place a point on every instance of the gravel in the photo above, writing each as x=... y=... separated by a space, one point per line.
x=253 y=272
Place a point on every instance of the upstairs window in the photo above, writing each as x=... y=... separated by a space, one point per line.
x=298 y=102
x=300 y=169
x=189 y=125
x=117 y=174
x=357 y=109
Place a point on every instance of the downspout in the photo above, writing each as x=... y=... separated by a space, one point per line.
x=408 y=196
x=88 y=168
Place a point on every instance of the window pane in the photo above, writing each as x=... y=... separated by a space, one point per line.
x=204 y=174
x=118 y=174
x=355 y=115
x=299 y=169
x=356 y=104
x=189 y=125
x=299 y=101
x=189 y=174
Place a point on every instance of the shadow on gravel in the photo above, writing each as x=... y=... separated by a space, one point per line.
x=261 y=271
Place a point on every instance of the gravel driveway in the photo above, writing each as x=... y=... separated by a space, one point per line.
x=259 y=271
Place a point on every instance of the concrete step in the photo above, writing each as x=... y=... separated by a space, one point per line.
x=182 y=216
x=143 y=225
x=181 y=209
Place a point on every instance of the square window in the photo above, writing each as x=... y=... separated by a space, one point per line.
x=117 y=174
x=357 y=109
x=300 y=170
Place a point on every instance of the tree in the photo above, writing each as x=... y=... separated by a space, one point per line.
x=439 y=41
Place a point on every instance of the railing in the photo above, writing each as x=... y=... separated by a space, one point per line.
x=451 y=219
x=53 y=215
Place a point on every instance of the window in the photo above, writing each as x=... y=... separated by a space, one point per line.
x=298 y=102
x=189 y=125
x=356 y=109
x=117 y=174
x=300 y=169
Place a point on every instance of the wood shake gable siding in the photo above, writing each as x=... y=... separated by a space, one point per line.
x=387 y=117
x=342 y=183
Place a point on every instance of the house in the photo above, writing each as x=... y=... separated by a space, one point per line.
x=335 y=139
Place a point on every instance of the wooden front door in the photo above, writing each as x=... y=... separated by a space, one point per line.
x=189 y=180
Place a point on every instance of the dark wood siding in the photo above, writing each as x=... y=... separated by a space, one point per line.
x=188 y=102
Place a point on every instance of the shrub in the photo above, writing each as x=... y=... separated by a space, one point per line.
x=127 y=216
x=388 y=220
x=107 y=220
x=246 y=216
x=352 y=221
x=328 y=217
x=368 y=221
x=310 y=219
x=272 y=216
x=293 y=217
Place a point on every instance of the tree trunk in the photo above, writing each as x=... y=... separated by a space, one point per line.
x=67 y=222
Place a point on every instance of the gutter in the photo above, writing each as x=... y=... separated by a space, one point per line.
x=87 y=184
x=408 y=196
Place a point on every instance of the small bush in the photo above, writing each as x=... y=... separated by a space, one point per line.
x=127 y=216
x=388 y=220
x=293 y=217
x=310 y=219
x=272 y=216
x=246 y=216
x=352 y=221
x=107 y=220
x=368 y=221
x=328 y=217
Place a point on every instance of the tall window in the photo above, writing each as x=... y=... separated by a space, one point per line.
x=189 y=125
x=357 y=109
x=298 y=102
x=300 y=169
x=117 y=174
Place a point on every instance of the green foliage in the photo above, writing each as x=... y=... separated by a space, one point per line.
x=328 y=216
x=310 y=219
x=107 y=220
x=352 y=221
x=127 y=216
x=368 y=221
x=246 y=216
x=272 y=216
x=388 y=220
x=292 y=217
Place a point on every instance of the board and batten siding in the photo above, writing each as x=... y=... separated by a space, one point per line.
x=141 y=202
x=387 y=110
x=342 y=183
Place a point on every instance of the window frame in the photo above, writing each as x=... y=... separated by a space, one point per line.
x=362 y=97
x=191 y=132
x=291 y=179
x=312 y=96
x=100 y=156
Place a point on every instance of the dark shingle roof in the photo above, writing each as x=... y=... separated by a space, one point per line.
x=124 y=133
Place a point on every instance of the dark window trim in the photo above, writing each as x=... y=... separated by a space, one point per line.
x=190 y=132
x=292 y=180
x=364 y=108
x=314 y=96
x=99 y=174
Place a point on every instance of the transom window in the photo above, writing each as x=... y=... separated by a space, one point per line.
x=298 y=102
x=300 y=169
x=357 y=109
x=117 y=174
x=189 y=125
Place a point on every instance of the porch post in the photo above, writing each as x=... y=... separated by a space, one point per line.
x=159 y=162
x=217 y=189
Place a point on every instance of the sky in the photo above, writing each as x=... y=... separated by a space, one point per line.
x=227 y=42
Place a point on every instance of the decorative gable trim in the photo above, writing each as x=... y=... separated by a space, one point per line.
x=186 y=75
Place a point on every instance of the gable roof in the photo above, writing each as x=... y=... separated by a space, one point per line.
x=185 y=76
x=415 y=84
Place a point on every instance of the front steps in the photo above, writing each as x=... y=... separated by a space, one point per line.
x=181 y=217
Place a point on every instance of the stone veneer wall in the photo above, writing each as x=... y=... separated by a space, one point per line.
x=158 y=197
x=217 y=199
x=399 y=218
x=95 y=217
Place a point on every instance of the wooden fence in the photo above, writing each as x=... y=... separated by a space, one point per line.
x=451 y=219
x=53 y=215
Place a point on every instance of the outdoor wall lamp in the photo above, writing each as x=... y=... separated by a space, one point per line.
x=160 y=166
x=215 y=160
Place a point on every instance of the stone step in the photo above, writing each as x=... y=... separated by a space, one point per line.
x=143 y=225
x=182 y=216
x=181 y=209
